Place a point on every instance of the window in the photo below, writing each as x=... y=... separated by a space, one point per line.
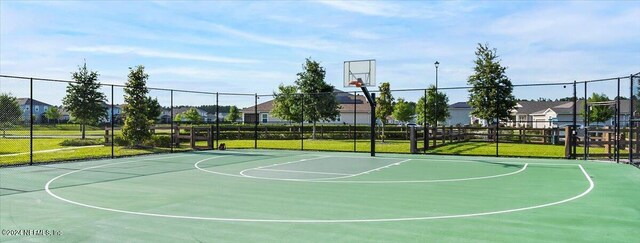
x=45 y=108
x=265 y=117
x=37 y=108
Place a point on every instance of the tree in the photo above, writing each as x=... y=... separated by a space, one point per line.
x=233 y=115
x=319 y=101
x=154 y=109
x=491 y=93
x=192 y=115
x=598 y=113
x=437 y=107
x=402 y=111
x=287 y=104
x=178 y=118
x=384 y=105
x=137 y=127
x=83 y=100
x=53 y=114
x=10 y=112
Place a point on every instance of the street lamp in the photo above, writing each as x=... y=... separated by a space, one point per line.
x=436 y=64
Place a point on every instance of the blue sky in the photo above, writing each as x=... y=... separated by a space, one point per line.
x=252 y=46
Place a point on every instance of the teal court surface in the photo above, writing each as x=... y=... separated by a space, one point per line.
x=288 y=196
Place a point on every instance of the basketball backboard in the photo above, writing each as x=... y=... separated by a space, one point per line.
x=363 y=71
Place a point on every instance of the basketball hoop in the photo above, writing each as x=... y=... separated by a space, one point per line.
x=357 y=83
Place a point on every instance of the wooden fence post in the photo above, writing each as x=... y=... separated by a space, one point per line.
x=192 y=137
x=567 y=142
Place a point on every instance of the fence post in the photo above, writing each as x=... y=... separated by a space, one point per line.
x=631 y=119
x=574 y=140
x=424 y=122
x=31 y=121
x=617 y=133
x=355 y=117
x=113 y=131
x=302 y=123
x=218 y=120
x=567 y=142
x=585 y=120
x=173 y=132
x=373 y=125
x=255 y=126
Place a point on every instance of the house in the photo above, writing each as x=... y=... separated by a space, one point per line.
x=39 y=108
x=459 y=114
x=538 y=114
x=353 y=109
x=165 y=116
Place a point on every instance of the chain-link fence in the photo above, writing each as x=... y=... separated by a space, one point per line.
x=593 y=119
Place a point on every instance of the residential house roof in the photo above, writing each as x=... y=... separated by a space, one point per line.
x=346 y=100
x=27 y=101
x=460 y=105
x=535 y=107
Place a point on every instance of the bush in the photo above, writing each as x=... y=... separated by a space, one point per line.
x=119 y=140
x=82 y=142
x=162 y=141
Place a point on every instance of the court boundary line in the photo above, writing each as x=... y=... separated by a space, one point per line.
x=242 y=173
x=47 y=189
x=329 y=180
x=304 y=172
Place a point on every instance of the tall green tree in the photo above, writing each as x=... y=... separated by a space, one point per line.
x=319 y=101
x=402 y=111
x=10 y=112
x=598 y=113
x=234 y=114
x=84 y=100
x=437 y=107
x=137 y=127
x=154 y=109
x=384 y=105
x=192 y=115
x=491 y=93
x=287 y=103
x=53 y=113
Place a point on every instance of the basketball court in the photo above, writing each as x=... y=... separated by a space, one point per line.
x=276 y=196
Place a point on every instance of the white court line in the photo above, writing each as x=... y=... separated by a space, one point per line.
x=304 y=172
x=243 y=173
x=433 y=181
x=591 y=186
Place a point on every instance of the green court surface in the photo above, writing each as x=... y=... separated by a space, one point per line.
x=292 y=196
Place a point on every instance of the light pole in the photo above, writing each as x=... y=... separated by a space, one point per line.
x=436 y=64
x=436 y=102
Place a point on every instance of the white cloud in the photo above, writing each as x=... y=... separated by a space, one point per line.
x=373 y=8
x=156 y=53
x=359 y=34
x=567 y=26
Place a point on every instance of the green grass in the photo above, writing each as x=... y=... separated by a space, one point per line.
x=9 y=146
x=14 y=146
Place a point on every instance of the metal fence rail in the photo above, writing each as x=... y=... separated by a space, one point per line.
x=536 y=128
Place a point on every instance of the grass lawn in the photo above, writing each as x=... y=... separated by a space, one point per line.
x=13 y=146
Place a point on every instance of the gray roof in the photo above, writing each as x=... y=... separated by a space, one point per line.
x=566 y=107
x=27 y=101
x=460 y=105
x=532 y=107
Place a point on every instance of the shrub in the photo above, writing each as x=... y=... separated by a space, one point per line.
x=162 y=141
x=82 y=142
x=119 y=140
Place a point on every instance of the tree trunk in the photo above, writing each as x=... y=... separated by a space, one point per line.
x=313 y=133
x=82 y=127
x=382 y=132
